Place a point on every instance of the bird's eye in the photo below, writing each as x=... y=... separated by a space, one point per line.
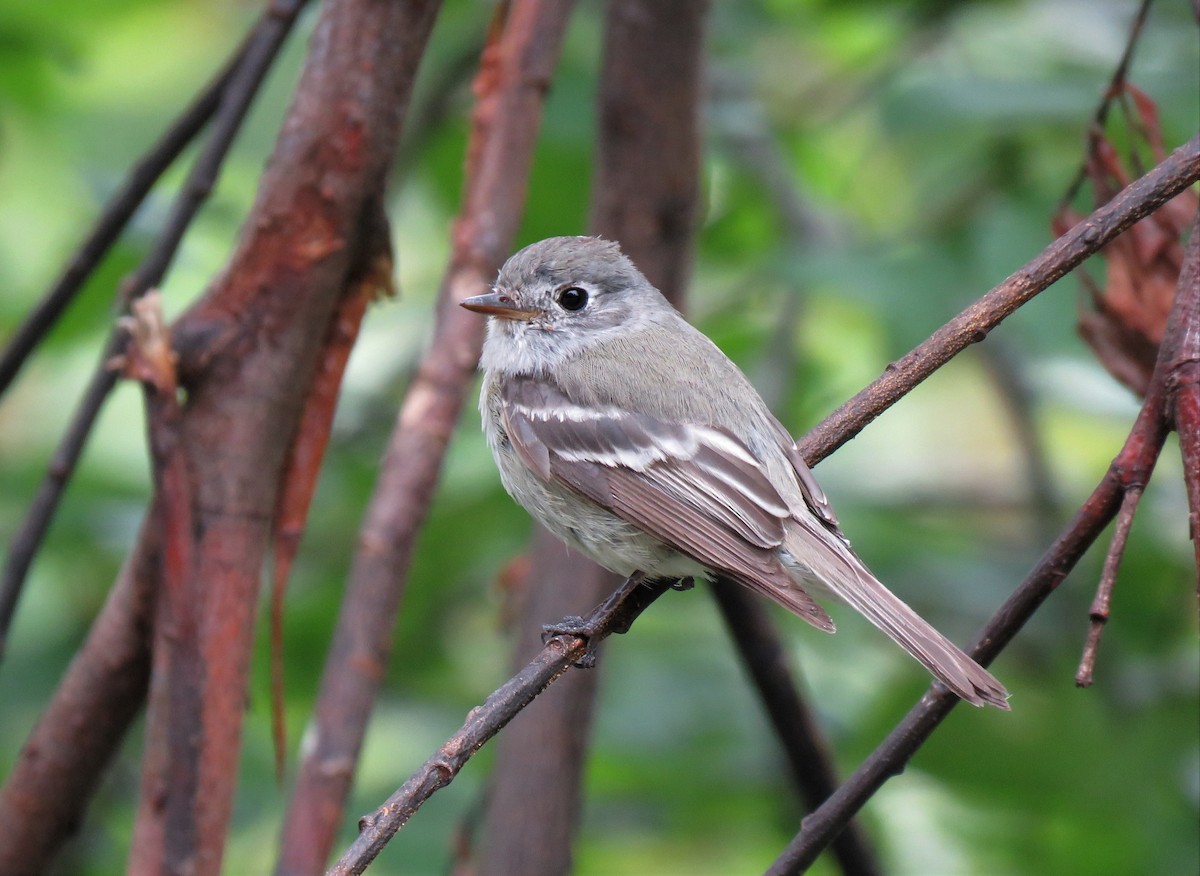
x=573 y=298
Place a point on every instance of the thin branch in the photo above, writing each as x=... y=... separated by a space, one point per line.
x=1098 y=614
x=1116 y=88
x=510 y=88
x=561 y=652
x=808 y=754
x=1180 y=169
x=1183 y=384
x=238 y=91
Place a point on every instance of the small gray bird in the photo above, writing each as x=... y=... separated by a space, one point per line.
x=632 y=437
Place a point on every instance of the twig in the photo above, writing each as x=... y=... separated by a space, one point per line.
x=1103 y=599
x=1115 y=89
x=615 y=614
x=239 y=87
x=808 y=754
x=1131 y=468
x=510 y=88
x=1180 y=169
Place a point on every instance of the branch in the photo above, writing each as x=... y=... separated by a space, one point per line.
x=237 y=87
x=510 y=88
x=250 y=347
x=614 y=615
x=808 y=754
x=1179 y=170
x=1116 y=87
x=1108 y=578
x=370 y=277
x=1183 y=381
x=60 y=765
x=643 y=194
x=1130 y=469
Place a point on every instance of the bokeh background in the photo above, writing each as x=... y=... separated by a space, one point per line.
x=872 y=167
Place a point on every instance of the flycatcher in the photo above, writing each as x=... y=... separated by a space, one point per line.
x=633 y=438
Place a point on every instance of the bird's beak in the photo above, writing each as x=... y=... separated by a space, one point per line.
x=497 y=304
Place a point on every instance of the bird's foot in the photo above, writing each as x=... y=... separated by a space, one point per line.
x=607 y=618
x=579 y=627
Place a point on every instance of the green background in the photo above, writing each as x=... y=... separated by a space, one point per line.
x=930 y=143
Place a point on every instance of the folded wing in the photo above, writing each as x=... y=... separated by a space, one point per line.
x=695 y=488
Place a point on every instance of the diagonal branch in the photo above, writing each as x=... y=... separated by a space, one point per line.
x=1178 y=171
x=561 y=652
x=125 y=201
x=808 y=754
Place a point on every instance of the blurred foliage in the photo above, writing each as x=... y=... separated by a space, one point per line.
x=872 y=168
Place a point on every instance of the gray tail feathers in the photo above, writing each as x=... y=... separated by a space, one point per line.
x=845 y=576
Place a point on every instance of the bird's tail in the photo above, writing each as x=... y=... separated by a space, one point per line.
x=845 y=576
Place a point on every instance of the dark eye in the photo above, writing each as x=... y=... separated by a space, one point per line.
x=573 y=298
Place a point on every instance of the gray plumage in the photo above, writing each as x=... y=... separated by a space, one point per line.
x=633 y=438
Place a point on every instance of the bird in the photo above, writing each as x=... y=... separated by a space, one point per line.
x=633 y=438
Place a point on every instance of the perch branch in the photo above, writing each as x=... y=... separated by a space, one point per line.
x=561 y=652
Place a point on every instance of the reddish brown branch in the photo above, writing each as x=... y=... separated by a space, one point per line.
x=1098 y=614
x=1187 y=424
x=251 y=346
x=371 y=277
x=1180 y=169
x=233 y=91
x=510 y=87
x=1183 y=382
x=614 y=615
x=643 y=194
x=58 y=769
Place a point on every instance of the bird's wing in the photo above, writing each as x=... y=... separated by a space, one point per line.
x=695 y=488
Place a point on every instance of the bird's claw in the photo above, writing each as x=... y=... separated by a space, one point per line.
x=578 y=627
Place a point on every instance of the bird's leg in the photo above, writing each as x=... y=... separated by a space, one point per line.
x=614 y=615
